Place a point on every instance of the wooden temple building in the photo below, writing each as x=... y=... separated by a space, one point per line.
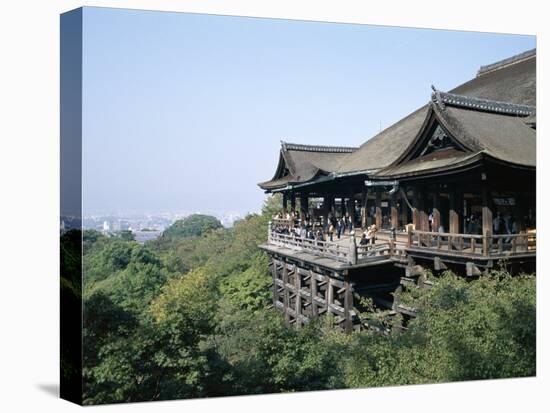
x=450 y=186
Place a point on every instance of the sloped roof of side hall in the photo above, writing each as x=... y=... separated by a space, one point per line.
x=301 y=163
x=512 y=80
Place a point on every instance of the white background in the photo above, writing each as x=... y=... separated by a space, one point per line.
x=29 y=192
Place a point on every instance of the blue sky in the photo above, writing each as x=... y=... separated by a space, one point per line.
x=185 y=112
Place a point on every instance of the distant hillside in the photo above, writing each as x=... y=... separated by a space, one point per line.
x=192 y=226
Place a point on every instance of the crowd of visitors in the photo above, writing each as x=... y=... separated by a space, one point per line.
x=320 y=229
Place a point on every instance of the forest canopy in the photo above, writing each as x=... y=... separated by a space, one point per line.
x=188 y=315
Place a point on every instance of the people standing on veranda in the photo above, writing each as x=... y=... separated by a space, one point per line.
x=349 y=222
x=330 y=231
x=340 y=227
x=369 y=235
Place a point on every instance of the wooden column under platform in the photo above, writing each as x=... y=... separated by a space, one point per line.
x=286 y=292
x=302 y=292
x=348 y=304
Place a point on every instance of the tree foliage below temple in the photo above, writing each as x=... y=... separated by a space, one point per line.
x=187 y=316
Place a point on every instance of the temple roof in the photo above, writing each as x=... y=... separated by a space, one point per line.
x=492 y=115
x=300 y=163
x=479 y=131
x=514 y=83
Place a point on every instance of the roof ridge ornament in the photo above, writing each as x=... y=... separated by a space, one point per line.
x=436 y=98
x=317 y=148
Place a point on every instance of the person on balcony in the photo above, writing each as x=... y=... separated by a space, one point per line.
x=330 y=232
x=340 y=227
x=349 y=222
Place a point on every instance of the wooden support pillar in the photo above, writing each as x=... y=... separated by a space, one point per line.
x=422 y=213
x=329 y=201
x=293 y=201
x=404 y=209
x=378 y=213
x=348 y=304
x=519 y=213
x=330 y=293
x=286 y=292
x=298 y=287
x=285 y=201
x=486 y=215
x=436 y=211
x=454 y=211
x=364 y=207
x=304 y=208
x=314 y=309
x=274 y=273
x=416 y=209
x=394 y=213
x=351 y=207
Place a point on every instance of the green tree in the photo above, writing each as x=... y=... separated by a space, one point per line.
x=192 y=226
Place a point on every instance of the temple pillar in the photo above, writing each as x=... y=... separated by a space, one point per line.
x=351 y=207
x=394 y=213
x=304 y=207
x=486 y=215
x=404 y=208
x=364 y=207
x=486 y=211
x=416 y=210
x=285 y=201
x=424 y=221
x=436 y=211
x=293 y=201
x=378 y=213
x=454 y=211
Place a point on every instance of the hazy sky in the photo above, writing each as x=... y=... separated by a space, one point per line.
x=185 y=112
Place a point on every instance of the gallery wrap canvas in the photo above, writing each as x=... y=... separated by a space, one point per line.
x=253 y=206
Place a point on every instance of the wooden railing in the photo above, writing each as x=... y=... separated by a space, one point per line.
x=319 y=248
x=491 y=246
x=350 y=253
x=495 y=246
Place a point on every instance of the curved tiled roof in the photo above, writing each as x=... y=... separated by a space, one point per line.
x=493 y=113
x=300 y=163
x=514 y=82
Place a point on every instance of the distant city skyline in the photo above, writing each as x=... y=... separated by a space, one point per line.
x=185 y=112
